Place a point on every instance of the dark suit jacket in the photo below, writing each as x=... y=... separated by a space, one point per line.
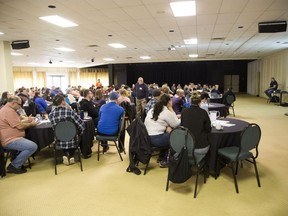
x=198 y=122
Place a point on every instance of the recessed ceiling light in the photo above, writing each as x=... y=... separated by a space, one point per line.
x=145 y=57
x=16 y=54
x=1 y=33
x=108 y=59
x=32 y=63
x=59 y=21
x=191 y=41
x=117 y=45
x=193 y=55
x=64 y=49
x=184 y=8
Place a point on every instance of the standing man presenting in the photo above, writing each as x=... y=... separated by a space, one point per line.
x=141 y=93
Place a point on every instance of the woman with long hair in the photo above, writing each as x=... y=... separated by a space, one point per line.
x=159 y=123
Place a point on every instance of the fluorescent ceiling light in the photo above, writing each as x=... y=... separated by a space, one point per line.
x=16 y=54
x=117 y=45
x=191 y=41
x=1 y=33
x=184 y=8
x=145 y=57
x=108 y=59
x=193 y=55
x=59 y=21
x=65 y=49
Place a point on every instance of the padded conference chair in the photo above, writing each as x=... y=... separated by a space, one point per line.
x=232 y=155
x=5 y=154
x=230 y=103
x=115 y=139
x=177 y=141
x=66 y=131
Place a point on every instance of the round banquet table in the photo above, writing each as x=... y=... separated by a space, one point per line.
x=218 y=107
x=229 y=136
x=43 y=136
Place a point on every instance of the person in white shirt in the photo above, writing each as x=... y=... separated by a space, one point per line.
x=159 y=123
x=204 y=102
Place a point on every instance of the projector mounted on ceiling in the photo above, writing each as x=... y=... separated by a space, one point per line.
x=20 y=44
x=272 y=27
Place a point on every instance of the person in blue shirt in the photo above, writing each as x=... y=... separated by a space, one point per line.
x=109 y=118
x=40 y=102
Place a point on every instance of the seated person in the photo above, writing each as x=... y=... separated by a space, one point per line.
x=272 y=87
x=159 y=123
x=99 y=98
x=215 y=90
x=178 y=101
x=12 y=133
x=204 y=102
x=40 y=102
x=156 y=94
x=87 y=105
x=123 y=96
x=198 y=122
x=109 y=119
x=62 y=112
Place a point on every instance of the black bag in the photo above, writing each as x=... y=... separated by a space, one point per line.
x=179 y=169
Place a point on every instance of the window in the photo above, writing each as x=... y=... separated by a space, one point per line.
x=57 y=81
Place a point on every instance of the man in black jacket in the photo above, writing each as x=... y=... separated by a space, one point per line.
x=86 y=105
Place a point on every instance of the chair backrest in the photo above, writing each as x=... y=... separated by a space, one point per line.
x=65 y=130
x=250 y=137
x=230 y=99
x=121 y=124
x=128 y=110
x=178 y=138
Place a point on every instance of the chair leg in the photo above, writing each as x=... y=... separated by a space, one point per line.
x=233 y=111
x=80 y=160
x=147 y=165
x=256 y=172
x=55 y=161
x=234 y=176
x=196 y=182
x=29 y=163
x=98 y=155
x=167 y=184
x=118 y=150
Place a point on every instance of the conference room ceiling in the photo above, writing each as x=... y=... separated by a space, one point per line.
x=225 y=30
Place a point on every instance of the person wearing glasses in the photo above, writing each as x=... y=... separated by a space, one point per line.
x=12 y=133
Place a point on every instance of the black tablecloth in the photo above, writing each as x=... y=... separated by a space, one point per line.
x=216 y=100
x=43 y=135
x=229 y=136
x=218 y=107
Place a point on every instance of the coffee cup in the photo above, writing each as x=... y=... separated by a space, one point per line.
x=85 y=115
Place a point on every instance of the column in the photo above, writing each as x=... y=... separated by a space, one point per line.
x=6 y=69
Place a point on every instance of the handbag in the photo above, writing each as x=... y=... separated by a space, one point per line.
x=179 y=169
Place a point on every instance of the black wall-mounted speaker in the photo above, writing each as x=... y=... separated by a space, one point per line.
x=20 y=44
x=272 y=27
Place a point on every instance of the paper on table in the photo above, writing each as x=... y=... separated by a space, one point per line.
x=229 y=125
x=42 y=122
